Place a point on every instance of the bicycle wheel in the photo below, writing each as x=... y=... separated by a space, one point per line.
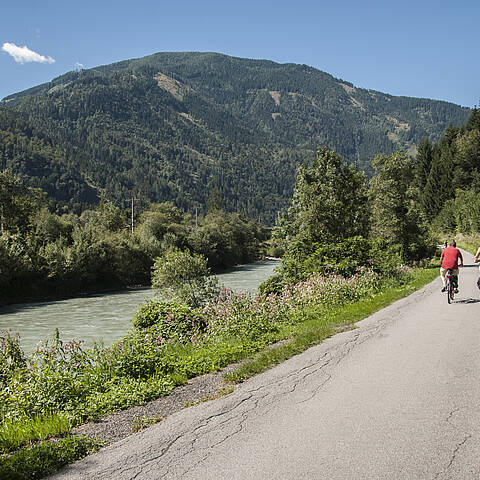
x=449 y=290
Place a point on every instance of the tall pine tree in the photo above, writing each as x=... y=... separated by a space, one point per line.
x=423 y=165
x=440 y=185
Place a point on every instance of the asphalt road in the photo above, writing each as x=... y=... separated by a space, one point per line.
x=396 y=398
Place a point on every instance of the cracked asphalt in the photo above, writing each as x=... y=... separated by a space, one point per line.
x=396 y=398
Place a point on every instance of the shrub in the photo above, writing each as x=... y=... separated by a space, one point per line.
x=274 y=284
x=184 y=277
x=11 y=355
x=343 y=258
x=171 y=320
x=239 y=315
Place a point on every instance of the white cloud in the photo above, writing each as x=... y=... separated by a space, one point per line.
x=24 y=54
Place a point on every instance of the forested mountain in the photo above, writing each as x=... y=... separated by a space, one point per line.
x=28 y=151
x=178 y=126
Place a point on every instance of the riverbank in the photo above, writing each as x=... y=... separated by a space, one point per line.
x=111 y=289
x=314 y=316
x=104 y=317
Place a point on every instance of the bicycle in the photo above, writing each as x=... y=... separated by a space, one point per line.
x=450 y=285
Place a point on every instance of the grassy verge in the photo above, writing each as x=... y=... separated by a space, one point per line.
x=319 y=324
x=470 y=243
x=470 y=247
x=16 y=433
x=44 y=458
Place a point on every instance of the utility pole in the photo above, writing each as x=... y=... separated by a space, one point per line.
x=132 y=215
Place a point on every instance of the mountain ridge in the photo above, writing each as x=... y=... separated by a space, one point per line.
x=175 y=126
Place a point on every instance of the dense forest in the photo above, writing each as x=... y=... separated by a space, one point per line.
x=340 y=221
x=177 y=126
x=448 y=179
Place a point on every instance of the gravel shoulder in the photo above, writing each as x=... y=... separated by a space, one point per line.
x=120 y=425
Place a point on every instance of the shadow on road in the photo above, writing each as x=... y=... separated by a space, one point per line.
x=468 y=300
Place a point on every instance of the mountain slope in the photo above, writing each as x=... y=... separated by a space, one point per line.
x=175 y=126
x=30 y=153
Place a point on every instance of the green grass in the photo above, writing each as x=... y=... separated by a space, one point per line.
x=44 y=458
x=141 y=423
x=318 y=324
x=470 y=247
x=19 y=432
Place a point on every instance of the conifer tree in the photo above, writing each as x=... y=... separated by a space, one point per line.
x=424 y=163
x=440 y=185
x=474 y=120
x=394 y=214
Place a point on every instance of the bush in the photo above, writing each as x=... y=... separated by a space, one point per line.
x=274 y=284
x=184 y=277
x=171 y=320
x=343 y=258
x=11 y=355
x=139 y=357
x=239 y=315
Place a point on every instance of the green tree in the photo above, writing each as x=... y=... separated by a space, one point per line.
x=467 y=158
x=215 y=201
x=49 y=227
x=329 y=202
x=423 y=164
x=467 y=211
x=394 y=215
x=17 y=202
x=473 y=122
x=111 y=217
x=440 y=185
x=185 y=277
x=16 y=266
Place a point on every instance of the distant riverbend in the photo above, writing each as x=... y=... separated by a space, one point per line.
x=108 y=316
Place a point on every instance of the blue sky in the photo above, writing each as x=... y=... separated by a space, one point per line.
x=420 y=48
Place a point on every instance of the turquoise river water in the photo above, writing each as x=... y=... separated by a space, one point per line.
x=104 y=317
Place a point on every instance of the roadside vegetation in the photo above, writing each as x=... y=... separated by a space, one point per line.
x=470 y=243
x=448 y=182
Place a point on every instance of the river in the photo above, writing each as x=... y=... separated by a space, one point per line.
x=104 y=317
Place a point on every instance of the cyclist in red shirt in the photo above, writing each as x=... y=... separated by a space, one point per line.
x=450 y=257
